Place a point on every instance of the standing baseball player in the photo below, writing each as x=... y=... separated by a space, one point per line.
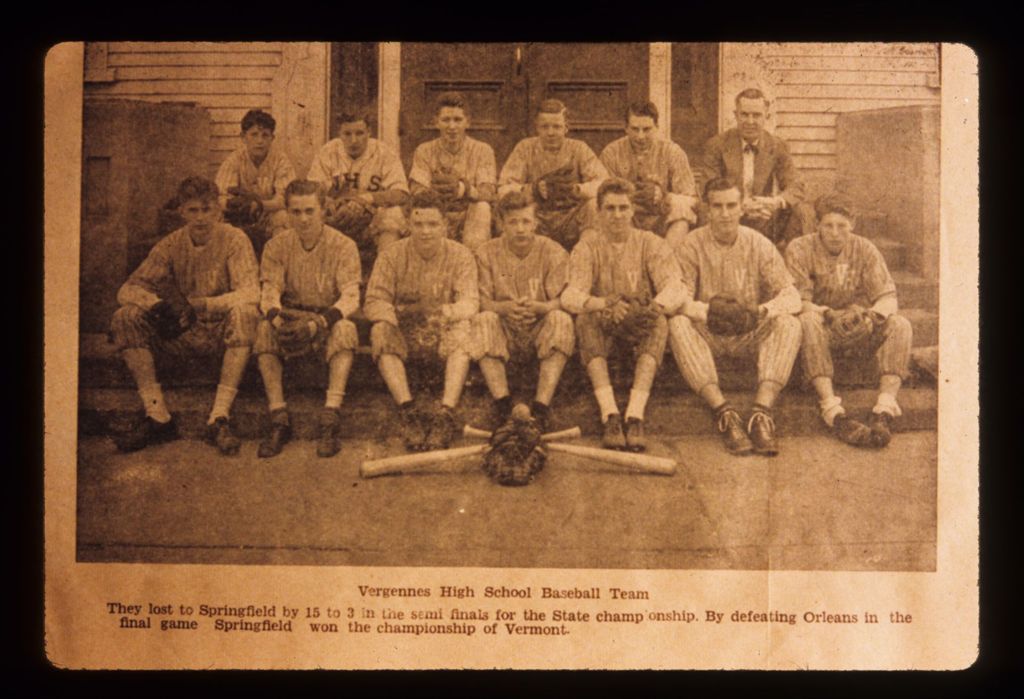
x=194 y=294
x=850 y=308
x=666 y=193
x=309 y=289
x=622 y=283
x=420 y=297
x=366 y=187
x=460 y=169
x=760 y=163
x=521 y=277
x=743 y=301
x=561 y=174
x=252 y=181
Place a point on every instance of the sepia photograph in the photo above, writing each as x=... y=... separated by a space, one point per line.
x=587 y=321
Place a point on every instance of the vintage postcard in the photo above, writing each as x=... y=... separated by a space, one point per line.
x=511 y=355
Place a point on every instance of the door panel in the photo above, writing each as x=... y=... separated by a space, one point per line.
x=694 y=96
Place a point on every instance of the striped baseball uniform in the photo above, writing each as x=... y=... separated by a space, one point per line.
x=223 y=271
x=504 y=276
x=378 y=169
x=642 y=266
x=529 y=161
x=473 y=162
x=751 y=271
x=265 y=180
x=664 y=163
x=401 y=277
x=293 y=277
x=859 y=276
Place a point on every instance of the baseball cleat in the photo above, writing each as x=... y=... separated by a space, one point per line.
x=146 y=432
x=851 y=431
x=761 y=428
x=328 y=442
x=881 y=429
x=278 y=434
x=219 y=434
x=635 y=440
x=613 y=438
x=730 y=426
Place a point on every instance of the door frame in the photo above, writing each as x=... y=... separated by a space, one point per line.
x=389 y=88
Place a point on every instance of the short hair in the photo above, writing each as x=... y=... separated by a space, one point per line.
x=513 y=201
x=196 y=187
x=642 y=109
x=752 y=93
x=352 y=117
x=834 y=203
x=552 y=106
x=427 y=199
x=615 y=185
x=258 y=117
x=452 y=99
x=720 y=184
x=302 y=188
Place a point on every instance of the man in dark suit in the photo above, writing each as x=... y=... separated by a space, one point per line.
x=760 y=164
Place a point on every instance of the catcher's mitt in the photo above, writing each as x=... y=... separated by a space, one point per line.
x=344 y=210
x=647 y=197
x=295 y=336
x=639 y=321
x=446 y=183
x=172 y=314
x=516 y=453
x=851 y=326
x=727 y=316
x=560 y=186
x=422 y=327
x=242 y=208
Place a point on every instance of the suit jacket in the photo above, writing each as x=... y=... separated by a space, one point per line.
x=723 y=157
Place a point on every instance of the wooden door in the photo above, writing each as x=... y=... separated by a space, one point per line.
x=694 y=96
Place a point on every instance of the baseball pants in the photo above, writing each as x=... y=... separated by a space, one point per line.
x=210 y=335
x=890 y=343
x=594 y=341
x=496 y=337
x=343 y=337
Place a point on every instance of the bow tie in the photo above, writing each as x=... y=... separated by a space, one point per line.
x=750 y=148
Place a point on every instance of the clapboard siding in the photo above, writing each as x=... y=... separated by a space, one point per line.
x=810 y=83
x=228 y=78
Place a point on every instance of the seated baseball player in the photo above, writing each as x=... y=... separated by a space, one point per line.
x=658 y=168
x=849 y=308
x=420 y=298
x=561 y=174
x=521 y=277
x=366 y=187
x=622 y=283
x=194 y=294
x=742 y=302
x=760 y=162
x=460 y=169
x=252 y=181
x=309 y=278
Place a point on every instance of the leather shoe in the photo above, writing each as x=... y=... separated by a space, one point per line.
x=635 y=440
x=146 y=432
x=853 y=432
x=735 y=437
x=881 y=429
x=761 y=428
x=613 y=438
x=328 y=442
x=219 y=434
x=279 y=434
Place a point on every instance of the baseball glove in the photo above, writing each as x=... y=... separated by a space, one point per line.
x=446 y=183
x=172 y=314
x=851 y=325
x=560 y=185
x=727 y=316
x=422 y=328
x=344 y=210
x=516 y=453
x=242 y=208
x=639 y=321
x=295 y=336
x=647 y=197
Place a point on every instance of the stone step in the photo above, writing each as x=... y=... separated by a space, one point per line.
x=926 y=326
x=872 y=224
x=914 y=291
x=372 y=415
x=894 y=252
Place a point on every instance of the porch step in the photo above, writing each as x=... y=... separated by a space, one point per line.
x=914 y=291
x=894 y=252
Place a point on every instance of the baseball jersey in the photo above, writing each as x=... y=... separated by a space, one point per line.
x=504 y=276
x=750 y=270
x=327 y=275
x=402 y=276
x=857 y=275
x=223 y=271
x=529 y=161
x=265 y=180
x=378 y=169
x=473 y=162
x=642 y=264
x=664 y=162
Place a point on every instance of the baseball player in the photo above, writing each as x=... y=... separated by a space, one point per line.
x=742 y=301
x=622 y=283
x=758 y=161
x=459 y=168
x=562 y=174
x=666 y=193
x=366 y=187
x=849 y=307
x=309 y=278
x=252 y=181
x=521 y=277
x=420 y=298
x=194 y=294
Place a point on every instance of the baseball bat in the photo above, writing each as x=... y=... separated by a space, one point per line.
x=410 y=463
x=571 y=433
x=644 y=463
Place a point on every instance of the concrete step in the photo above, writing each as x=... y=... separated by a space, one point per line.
x=894 y=252
x=914 y=291
x=872 y=224
x=372 y=415
x=926 y=326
